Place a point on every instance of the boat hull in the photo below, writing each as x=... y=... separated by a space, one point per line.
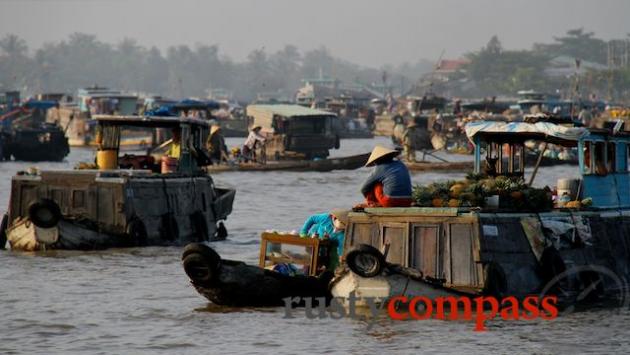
x=322 y=165
x=97 y=210
x=234 y=283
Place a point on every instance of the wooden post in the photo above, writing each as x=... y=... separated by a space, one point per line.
x=540 y=156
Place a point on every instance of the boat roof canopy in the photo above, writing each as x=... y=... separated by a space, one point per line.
x=189 y=104
x=150 y=121
x=522 y=131
x=287 y=111
x=263 y=115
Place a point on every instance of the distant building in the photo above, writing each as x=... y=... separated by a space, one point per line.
x=447 y=67
x=564 y=66
x=322 y=89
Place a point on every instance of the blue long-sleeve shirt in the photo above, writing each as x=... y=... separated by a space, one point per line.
x=395 y=179
x=322 y=224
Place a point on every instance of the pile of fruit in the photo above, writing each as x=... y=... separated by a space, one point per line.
x=513 y=194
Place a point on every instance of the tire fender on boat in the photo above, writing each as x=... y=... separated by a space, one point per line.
x=365 y=260
x=201 y=263
x=3 y=231
x=44 y=213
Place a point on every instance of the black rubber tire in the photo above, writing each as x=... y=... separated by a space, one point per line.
x=201 y=263
x=495 y=281
x=200 y=226
x=221 y=233
x=137 y=232
x=365 y=260
x=3 y=231
x=44 y=213
x=169 y=231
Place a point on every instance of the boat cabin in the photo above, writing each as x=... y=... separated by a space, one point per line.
x=103 y=101
x=602 y=154
x=184 y=152
x=294 y=131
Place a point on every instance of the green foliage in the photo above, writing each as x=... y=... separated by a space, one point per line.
x=180 y=71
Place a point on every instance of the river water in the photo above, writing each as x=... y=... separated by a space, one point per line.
x=140 y=301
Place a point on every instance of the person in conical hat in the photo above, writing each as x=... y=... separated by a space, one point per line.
x=216 y=145
x=253 y=137
x=409 y=140
x=389 y=184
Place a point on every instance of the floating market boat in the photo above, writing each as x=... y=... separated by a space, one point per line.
x=501 y=236
x=288 y=267
x=294 y=132
x=27 y=137
x=112 y=207
x=492 y=234
x=321 y=165
x=76 y=118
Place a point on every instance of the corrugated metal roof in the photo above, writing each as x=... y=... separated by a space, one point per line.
x=288 y=110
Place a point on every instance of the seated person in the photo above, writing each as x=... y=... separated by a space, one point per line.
x=389 y=185
x=331 y=225
x=174 y=151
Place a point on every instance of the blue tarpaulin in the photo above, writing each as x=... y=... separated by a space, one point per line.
x=187 y=104
x=45 y=105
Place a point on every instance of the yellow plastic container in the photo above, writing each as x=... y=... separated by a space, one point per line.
x=107 y=159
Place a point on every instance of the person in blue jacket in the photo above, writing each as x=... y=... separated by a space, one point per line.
x=389 y=184
x=331 y=225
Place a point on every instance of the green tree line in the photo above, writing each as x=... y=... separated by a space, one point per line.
x=180 y=71
x=495 y=71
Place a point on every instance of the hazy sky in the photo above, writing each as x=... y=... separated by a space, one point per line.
x=366 y=32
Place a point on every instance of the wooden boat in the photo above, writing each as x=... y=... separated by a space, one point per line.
x=25 y=136
x=233 y=283
x=322 y=165
x=113 y=207
x=440 y=166
x=578 y=252
x=293 y=131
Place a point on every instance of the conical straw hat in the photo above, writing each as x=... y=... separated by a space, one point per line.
x=214 y=128
x=341 y=215
x=379 y=152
